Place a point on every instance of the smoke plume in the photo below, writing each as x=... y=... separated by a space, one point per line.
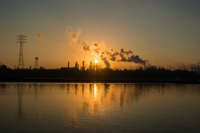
x=74 y=36
x=107 y=55
x=40 y=35
x=125 y=56
x=105 y=60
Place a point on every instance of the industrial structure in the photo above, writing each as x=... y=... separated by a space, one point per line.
x=83 y=66
x=21 y=39
x=36 y=62
x=76 y=65
x=68 y=64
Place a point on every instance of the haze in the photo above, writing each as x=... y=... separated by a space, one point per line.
x=162 y=32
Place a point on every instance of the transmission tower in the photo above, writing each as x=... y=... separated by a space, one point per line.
x=21 y=39
x=36 y=63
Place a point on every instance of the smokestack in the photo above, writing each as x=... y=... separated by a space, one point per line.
x=91 y=66
x=76 y=65
x=68 y=64
x=83 y=66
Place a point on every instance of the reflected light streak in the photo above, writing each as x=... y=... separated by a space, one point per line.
x=95 y=90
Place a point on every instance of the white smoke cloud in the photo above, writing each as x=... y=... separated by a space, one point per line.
x=105 y=53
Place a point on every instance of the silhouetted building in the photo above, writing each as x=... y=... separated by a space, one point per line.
x=76 y=65
x=195 y=68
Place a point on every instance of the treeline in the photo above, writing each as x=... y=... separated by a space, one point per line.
x=148 y=74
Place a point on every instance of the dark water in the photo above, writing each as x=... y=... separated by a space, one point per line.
x=99 y=108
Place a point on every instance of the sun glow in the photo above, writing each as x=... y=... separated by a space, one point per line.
x=96 y=61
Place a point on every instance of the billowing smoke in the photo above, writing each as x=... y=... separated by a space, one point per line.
x=106 y=55
x=125 y=56
x=73 y=35
x=105 y=60
x=85 y=46
x=40 y=35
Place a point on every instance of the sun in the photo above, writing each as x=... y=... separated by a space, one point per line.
x=96 y=61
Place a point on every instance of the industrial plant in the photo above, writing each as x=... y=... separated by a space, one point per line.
x=93 y=73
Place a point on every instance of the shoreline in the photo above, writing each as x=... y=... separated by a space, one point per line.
x=103 y=81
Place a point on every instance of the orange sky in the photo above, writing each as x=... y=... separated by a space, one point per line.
x=164 y=33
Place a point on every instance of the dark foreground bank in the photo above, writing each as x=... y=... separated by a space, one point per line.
x=104 y=75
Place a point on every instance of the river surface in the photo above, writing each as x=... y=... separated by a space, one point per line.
x=99 y=108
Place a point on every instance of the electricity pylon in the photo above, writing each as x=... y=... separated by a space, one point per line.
x=21 y=39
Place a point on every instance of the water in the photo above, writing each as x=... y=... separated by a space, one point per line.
x=99 y=108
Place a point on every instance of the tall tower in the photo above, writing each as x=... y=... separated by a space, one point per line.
x=83 y=66
x=21 y=39
x=76 y=65
x=91 y=66
x=68 y=64
x=36 y=62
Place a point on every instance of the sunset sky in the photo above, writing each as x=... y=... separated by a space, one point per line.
x=163 y=32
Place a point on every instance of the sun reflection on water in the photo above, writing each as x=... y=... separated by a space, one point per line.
x=95 y=90
x=84 y=104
